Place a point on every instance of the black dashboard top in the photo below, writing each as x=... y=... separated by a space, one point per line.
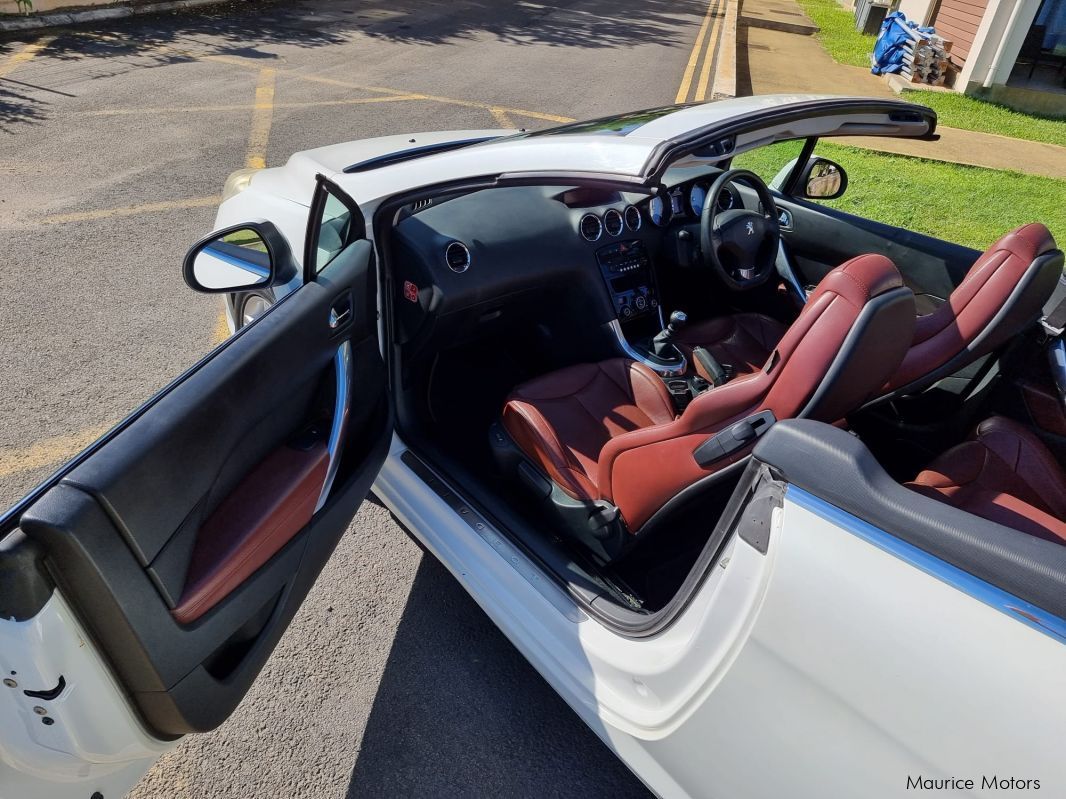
x=462 y=251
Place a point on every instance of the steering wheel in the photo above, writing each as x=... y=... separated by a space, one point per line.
x=738 y=244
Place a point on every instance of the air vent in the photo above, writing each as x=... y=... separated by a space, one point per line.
x=457 y=256
x=591 y=227
x=612 y=222
x=420 y=204
x=632 y=217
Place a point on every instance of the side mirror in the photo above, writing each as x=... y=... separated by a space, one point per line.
x=239 y=258
x=823 y=179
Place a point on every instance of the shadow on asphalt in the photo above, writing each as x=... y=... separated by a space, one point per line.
x=459 y=712
x=244 y=29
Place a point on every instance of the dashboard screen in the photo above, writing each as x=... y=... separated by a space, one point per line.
x=620 y=285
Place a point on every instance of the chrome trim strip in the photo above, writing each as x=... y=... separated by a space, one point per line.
x=629 y=351
x=342 y=363
x=1003 y=601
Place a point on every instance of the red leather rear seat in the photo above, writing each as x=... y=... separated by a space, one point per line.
x=1005 y=474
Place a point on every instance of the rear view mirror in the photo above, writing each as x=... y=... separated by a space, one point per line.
x=823 y=179
x=239 y=258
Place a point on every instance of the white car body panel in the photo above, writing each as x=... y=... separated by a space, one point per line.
x=863 y=671
x=788 y=660
x=838 y=663
x=96 y=739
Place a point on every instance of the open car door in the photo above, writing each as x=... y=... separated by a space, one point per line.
x=143 y=587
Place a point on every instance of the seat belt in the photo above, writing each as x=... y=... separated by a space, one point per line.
x=1054 y=321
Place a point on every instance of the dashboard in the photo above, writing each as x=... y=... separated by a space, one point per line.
x=578 y=250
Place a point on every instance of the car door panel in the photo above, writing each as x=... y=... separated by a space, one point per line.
x=254 y=522
x=822 y=238
x=187 y=541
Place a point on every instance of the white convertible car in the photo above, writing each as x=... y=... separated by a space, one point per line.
x=772 y=495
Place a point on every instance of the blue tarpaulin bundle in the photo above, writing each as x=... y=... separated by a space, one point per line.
x=893 y=42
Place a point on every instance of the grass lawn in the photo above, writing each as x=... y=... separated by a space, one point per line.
x=965 y=204
x=969 y=113
x=838 y=35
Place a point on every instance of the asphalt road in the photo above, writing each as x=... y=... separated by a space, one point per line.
x=115 y=143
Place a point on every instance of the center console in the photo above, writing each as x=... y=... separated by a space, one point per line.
x=627 y=271
x=626 y=268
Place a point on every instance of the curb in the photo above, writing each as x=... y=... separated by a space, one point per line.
x=801 y=28
x=725 y=72
x=61 y=18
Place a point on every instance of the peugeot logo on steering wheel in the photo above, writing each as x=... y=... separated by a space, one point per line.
x=750 y=227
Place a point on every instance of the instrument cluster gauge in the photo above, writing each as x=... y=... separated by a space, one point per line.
x=697 y=196
x=658 y=212
x=726 y=200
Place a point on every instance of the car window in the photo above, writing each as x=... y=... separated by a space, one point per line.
x=334 y=231
x=769 y=160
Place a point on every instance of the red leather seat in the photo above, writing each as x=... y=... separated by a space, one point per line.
x=563 y=419
x=744 y=340
x=1005 y=474
x=1002 y=293
x=607 y=431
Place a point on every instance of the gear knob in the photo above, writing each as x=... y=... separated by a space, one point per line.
x=661 y=345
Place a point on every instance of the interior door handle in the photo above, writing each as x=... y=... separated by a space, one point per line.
x=338 y=315
x=342 y=363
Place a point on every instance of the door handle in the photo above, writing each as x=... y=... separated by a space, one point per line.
x=342 y=362
x=339 y=315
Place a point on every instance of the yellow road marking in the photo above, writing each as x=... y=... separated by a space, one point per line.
x=709 y=56
x=694 y=56
x=262 y=117
x=48 y=451
x=131 y=210
x=436 y=98
x=396 y=97
x=221 y=332
x=500 y=115
x=196 y=109
x=27 y=53
x=252 y=63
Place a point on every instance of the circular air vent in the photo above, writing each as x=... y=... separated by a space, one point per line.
x=457 y=256
x=612 y=222
x=632 y=217
x=591 y=227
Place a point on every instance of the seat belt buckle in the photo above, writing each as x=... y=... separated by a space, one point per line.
x=1050 y=329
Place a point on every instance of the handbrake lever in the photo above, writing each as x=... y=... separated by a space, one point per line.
x=718 y=373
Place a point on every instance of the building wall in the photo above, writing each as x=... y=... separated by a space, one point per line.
x=959 y=20
x=917 y=10
x=995 y=47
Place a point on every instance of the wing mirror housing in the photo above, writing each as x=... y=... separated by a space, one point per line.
x=247 y=256
x=823 y=179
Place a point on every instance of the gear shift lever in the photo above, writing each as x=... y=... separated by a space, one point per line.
x=661 y=344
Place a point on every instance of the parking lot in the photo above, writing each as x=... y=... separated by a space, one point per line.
x=116 y=141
